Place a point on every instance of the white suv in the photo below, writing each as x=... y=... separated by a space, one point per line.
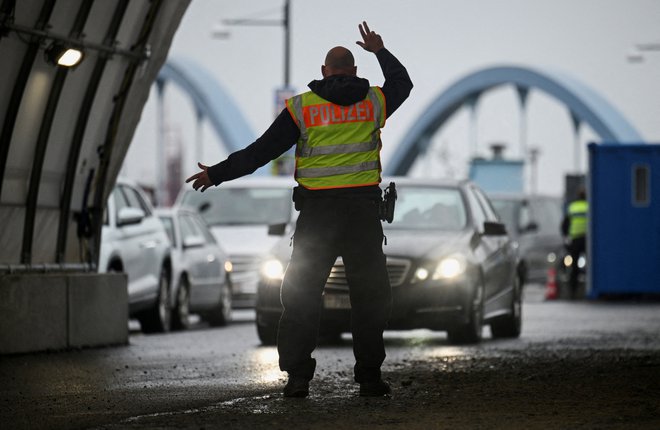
x=134 y=242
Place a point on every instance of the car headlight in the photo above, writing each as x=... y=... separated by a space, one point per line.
x=273 y=269
x=421 y=274
x=450 y=267
x=228 y=266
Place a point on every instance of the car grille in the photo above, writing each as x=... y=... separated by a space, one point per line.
x=244 y=263
x=397 y=269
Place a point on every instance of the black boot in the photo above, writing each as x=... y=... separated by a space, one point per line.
x=376 y=388
x=296 y=387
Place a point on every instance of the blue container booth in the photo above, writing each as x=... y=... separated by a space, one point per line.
x=624 y=219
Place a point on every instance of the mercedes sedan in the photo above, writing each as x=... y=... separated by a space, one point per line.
x=451 y=264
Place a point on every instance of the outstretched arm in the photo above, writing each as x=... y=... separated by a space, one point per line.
x=397 y=84
x=280 y=136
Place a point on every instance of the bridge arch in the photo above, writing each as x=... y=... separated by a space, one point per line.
x=585 y=105
x=210 y=101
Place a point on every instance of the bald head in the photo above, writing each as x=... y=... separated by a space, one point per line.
x=339 y=61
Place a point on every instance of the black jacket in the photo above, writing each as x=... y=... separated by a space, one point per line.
x=284 y=133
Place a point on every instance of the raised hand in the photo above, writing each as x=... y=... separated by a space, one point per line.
x=201 y=179
x=372 y=41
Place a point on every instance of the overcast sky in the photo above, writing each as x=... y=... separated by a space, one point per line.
x=439 y=42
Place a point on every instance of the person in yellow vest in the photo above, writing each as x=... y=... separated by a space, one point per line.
x=574 y=227
x=336 y=129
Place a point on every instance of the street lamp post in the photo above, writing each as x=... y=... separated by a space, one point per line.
x=534 y=153
x=284 y=22
x=284 y=164
x=287 y=44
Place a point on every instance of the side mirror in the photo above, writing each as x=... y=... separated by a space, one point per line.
x=277 y=229
x=494 y=229
x=193 y=242
x=128 y=216
x=532 y=227
x=204 y=207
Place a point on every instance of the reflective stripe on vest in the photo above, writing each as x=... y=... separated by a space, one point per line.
x=577 y=211
x=339 y=146
x=319 y=172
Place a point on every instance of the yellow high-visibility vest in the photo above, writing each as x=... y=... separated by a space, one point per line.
x=339 y=146
x=577 y=211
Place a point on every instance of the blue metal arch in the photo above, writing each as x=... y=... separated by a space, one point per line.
x=210 y=99
x=584 y=103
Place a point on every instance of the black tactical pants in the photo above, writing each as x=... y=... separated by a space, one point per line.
x=326 y=229
x=577 y=247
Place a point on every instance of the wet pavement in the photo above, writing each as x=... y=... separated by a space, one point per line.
x=581 y=364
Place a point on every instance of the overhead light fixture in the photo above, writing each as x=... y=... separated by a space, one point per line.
x=66 y=56
x=66 y=51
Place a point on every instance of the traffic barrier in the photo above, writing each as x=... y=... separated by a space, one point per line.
x=551 y=292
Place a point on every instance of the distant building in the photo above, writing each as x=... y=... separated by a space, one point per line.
x=498 y=175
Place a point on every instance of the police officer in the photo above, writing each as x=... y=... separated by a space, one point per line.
x=575 y=227
x=336 y=128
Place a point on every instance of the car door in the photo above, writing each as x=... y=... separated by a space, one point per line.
x=201 y=260
x=143 y=239
x=501 y=259
x=128 y=245
x=215 y=267
x=485 y=247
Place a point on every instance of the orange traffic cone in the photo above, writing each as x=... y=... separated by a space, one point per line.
x=551 y=292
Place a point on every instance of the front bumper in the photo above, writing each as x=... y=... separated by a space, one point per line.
x=244 y=289
x=432 y=304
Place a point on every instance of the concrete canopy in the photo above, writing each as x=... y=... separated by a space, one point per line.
x=64 y=132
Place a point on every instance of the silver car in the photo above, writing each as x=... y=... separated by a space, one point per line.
x=533 y=223
x=200 y=270
x=239 y=213
x=134 y=242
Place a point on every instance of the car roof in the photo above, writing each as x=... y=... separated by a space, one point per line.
x=245 y=182
x=405 y=180
x=173 y=210
x=260 y=181
x=127 y=181
x=521 y=196
x=287 y=181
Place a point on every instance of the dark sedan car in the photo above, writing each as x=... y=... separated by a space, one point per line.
x=451 y=265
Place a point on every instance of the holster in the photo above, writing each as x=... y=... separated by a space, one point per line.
x=386 y=206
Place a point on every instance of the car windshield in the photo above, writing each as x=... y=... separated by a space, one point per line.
x=507 y=209
x=242 y=206
x=423 y=208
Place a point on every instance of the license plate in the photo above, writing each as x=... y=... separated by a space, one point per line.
x=336 y=301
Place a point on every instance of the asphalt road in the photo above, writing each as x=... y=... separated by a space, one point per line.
x=584 y=364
